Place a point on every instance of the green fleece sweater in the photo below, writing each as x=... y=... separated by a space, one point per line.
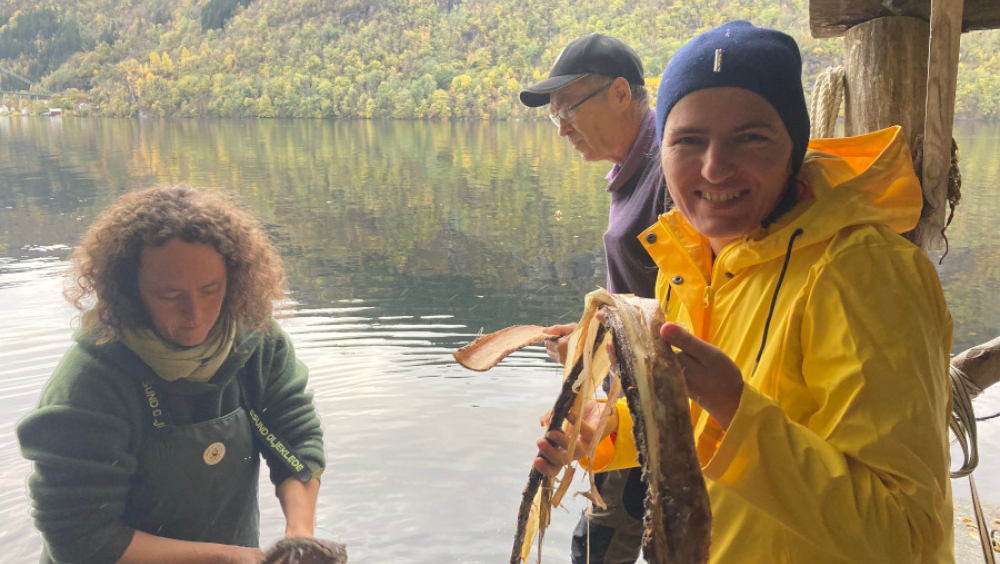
x=92 y=418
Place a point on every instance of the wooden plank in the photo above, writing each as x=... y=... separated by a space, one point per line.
x=981 y=364
x=942 y=80
x=832 y=18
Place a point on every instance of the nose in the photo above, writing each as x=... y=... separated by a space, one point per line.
x=564 y=127
x=717 y=164
x=192 y=310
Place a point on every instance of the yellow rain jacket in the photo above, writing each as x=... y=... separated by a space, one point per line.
x=838 y=451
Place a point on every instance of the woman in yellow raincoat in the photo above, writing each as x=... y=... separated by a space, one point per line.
x=815 y=339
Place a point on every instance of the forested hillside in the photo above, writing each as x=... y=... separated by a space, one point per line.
x=371 y=58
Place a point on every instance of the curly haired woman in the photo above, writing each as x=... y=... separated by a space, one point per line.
x=146 y=439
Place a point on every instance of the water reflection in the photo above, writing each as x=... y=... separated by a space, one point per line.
x=402 y=240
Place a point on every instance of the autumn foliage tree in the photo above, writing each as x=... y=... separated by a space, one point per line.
x=423 y=59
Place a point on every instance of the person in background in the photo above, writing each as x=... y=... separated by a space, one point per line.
x=146 y=440
x=814 y=338
x=597 y=97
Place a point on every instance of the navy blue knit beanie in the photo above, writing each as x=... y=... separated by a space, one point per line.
x=740 y=55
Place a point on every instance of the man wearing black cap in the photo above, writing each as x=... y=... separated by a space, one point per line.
x=598 y=99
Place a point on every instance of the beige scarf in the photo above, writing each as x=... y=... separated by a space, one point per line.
x=198 y=363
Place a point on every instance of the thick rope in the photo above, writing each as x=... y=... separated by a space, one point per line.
x=963 y=427
x=826 y=98
x=963 y=420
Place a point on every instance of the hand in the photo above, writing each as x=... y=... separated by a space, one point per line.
x=145 y=548
x=552 y=448
x=557 y=347
x=243 y=555
x=713 y=380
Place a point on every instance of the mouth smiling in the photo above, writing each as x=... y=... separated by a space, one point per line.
x=722 y=196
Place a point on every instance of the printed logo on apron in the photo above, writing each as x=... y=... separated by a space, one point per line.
x=214 y=453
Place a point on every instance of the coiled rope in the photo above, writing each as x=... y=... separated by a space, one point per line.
x=826 y=98
x=963 y=420
x=963 y=427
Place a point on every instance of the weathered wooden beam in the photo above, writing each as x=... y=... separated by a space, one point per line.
x=942 y=81
x=981 y=364
x=885 y=87
x=832 y=18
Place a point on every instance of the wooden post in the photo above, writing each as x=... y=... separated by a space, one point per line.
x=942 y=81
x=886 y=86
x=981 y=364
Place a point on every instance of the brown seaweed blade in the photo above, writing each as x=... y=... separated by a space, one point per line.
x=678 y=516
x=566 y=399
x=485 y=352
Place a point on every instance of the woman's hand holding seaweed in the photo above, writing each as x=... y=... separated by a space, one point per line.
x=145 y=548
x=714 y=381
x=557 y=348
x=552 y=448
x=242 y=555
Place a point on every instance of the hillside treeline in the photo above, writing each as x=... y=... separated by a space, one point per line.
x=406 y=59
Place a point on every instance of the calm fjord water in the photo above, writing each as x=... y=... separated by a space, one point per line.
x=402 y=241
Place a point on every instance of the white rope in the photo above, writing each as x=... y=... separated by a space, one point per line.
x=826 y=98
x=963 y=427
x=963 y=420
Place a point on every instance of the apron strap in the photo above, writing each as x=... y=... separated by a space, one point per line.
x=158 y=416
x=269 y=439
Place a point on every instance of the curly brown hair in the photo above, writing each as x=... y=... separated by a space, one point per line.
x=106 y=263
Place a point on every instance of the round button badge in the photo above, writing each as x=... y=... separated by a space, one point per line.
x=214 y=453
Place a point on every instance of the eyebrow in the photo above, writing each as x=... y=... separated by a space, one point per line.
x=695 y=130
x=756 y=125
x=169 y=289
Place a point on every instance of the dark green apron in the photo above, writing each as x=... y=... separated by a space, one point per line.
x=198 y=482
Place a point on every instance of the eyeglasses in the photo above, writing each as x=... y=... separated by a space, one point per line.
x=567 y=114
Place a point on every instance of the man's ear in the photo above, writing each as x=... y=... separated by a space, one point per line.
x=621 y=91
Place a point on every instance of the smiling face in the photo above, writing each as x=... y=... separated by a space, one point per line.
x=599 y=131
x=726 y=157
x=182 y=286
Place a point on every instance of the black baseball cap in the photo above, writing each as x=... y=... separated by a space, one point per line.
x=590 y=54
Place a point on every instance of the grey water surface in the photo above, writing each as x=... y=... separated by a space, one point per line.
x=402 y=240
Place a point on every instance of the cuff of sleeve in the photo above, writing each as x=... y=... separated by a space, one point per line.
x=620 y=453
x=316 y=467
x=603 y=453
x=752 y=402
x=280 y=473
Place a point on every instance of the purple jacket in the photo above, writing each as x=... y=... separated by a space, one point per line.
x=638 y=197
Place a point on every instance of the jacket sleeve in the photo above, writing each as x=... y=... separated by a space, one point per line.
x=619 y=452
x=289 y=406
x=81 y=443
x=864 y=475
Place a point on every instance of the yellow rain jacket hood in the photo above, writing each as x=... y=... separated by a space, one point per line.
x=838 y=451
